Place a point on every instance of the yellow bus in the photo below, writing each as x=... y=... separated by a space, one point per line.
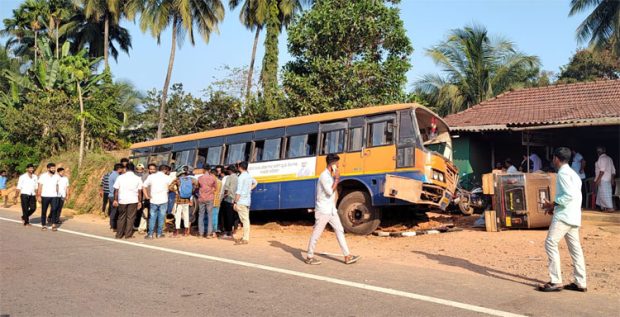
x=393 y=155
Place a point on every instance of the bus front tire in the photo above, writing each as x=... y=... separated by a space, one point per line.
x=357 y=214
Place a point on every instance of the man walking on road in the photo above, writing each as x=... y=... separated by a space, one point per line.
x=183 y=187
x=128 y=199
x=47 y=194
x=325 y=212
x=27 y=187
x=243 y=201
x=156 y=192
x=566 y=210
x=63 y=194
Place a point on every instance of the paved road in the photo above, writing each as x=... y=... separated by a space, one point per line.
x=80 y=271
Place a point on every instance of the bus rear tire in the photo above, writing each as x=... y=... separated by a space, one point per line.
x=357 y=214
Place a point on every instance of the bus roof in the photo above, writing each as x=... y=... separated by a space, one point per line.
x=321 y=117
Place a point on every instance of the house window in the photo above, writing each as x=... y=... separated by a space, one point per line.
x=301 y=145
x=333 y=142
x=381 y=133
x=267 y=150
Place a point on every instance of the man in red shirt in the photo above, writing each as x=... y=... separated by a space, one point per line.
x=207 y=186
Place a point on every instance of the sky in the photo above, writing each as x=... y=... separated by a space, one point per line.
x=537 y=27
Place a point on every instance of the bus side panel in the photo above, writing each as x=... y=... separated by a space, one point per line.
x=266 y=196
x=298 y=194
x=376 y=182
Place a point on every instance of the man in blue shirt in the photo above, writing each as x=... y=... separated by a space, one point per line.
x=566 y=211
x=112 y=211
x=243 y=200
x=4 y=194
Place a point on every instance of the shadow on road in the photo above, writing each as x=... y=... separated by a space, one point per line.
x=490 y=272
x=298 y=253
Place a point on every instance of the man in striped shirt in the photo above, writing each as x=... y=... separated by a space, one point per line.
x=103 y=191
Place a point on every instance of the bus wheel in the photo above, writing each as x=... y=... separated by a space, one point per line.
x=357 y=213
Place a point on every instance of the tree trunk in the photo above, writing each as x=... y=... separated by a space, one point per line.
x=82 y=126
x=57 y=49
x=251 y=70
x=164 y=94
x=106 y=41
x=270 y=61
x=36 y=47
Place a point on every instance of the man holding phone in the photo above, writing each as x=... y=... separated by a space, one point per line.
x=325 y=211
x=566 y=211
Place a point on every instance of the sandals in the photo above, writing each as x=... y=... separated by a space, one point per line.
x=350 y=259
x=241 y=242
x=550 y=287
x=312 y=261
x=575 y=287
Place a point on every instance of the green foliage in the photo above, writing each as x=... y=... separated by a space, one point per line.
x=476 y=68
x=601 y=28
x=347 y=54
x=269 y=74
x=187 y=114
x=588 y=65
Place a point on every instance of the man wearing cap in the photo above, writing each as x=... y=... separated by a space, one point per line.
x=183 y=187
x=140 y=221
x=27 y=187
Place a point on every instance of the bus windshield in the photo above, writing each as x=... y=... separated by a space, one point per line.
x=434 y=132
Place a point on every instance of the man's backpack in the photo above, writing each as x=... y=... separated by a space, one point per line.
x=186 y=187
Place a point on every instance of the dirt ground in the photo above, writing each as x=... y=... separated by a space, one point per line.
x=514 y=255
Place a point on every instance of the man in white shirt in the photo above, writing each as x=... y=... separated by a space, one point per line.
x=325 y=211
x=156 y=192
x=63 y=193
x=605 y=172
x=128 y=199
x=27 y=190
x=566 y=211
x=536 y=162
x=510 y=168
x=47 y=194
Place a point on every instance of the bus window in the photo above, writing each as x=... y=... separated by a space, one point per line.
x=301 y=145
x=333 y=142
x=184 y=158
x=209 y=156
x=160 y=159
x=356 y=139
x=267 y=150
x=237 y=153
x=381 y=133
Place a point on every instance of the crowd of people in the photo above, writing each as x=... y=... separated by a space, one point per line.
x=217 y=198
x=158 y=199
x=602 y=182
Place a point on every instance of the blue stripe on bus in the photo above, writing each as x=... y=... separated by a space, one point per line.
x=301 y=194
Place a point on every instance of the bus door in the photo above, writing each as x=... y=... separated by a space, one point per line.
x=353 y=158
x=380 y=153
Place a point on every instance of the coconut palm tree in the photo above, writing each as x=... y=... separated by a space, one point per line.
x=184 y=17
x=89 y=34
x=59 y=12
x=24 y=27
x=252 y=16
x=107 y=11
x=476 y=68
x=602 y=27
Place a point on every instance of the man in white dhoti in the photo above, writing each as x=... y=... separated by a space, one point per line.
x=605 y=172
